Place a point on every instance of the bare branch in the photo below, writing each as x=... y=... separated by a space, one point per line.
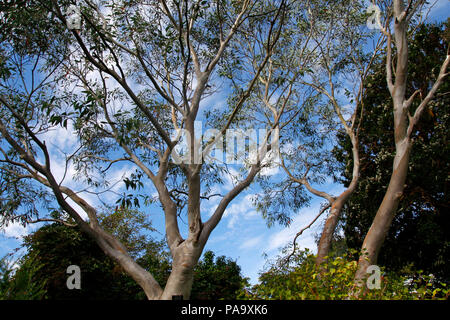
x=298 y=234
x=67 y=224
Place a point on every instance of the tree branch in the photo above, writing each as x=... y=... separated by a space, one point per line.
x=294 y=242
x=67 y=224
x=429 y=96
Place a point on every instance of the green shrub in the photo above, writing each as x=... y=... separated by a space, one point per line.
x=20 y=284
x=334 y=280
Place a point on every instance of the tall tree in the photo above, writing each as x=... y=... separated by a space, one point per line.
x=317 y=75
x=124 y=76
x=420 y=229
x=335 y=60
x=407 y=112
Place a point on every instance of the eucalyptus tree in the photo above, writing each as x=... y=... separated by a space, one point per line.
x=418 y=235
x=342 y=64
x=319 y=75
x=408 y=108
x=125 y=82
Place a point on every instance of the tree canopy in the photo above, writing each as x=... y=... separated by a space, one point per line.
x=114 y=111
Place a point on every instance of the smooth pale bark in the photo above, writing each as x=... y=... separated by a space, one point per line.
x=185 y=252
x=403 y=129
x=325 y=241
x=385 y=214
x=377 y=232
x=336 y=204
x=110 y=245
x=142 y=277
x=324 y=246
x=185 y=258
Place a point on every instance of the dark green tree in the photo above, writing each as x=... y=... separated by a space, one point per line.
x=419 y=235
x=54 y=247
x=5 y=276
x=21 y=284
x=218 y=278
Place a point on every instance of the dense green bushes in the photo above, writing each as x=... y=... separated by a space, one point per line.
x=41 y=272
x=301 y=279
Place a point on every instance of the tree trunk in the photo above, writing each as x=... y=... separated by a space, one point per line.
x=403 y=127
x=180 y=280
x=324 y=246
x=386 y=212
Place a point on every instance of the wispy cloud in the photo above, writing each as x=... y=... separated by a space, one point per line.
x=251 y=242
x=16 y=230
x=240 y=210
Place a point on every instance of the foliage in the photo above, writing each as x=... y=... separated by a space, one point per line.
x=218 y=278
x=5 y=275
x=132 y=228
x=22 y=284
x=121 y=84
x=56 y=247
x=52 y=248
x=301 y=279
x=419 y=234
x=313 y=60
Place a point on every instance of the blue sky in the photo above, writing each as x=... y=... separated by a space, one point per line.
x=242 y=234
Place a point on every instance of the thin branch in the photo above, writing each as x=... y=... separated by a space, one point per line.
x=67 y=224
x=303 y=181
x=294 y=242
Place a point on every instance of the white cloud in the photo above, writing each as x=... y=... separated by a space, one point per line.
x=240 y=210
x=230 y=179
x=251 y=242
x=60 y=142
x=16 y=230
x=60 y=138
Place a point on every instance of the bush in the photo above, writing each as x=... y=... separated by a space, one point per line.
x=334 y=280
